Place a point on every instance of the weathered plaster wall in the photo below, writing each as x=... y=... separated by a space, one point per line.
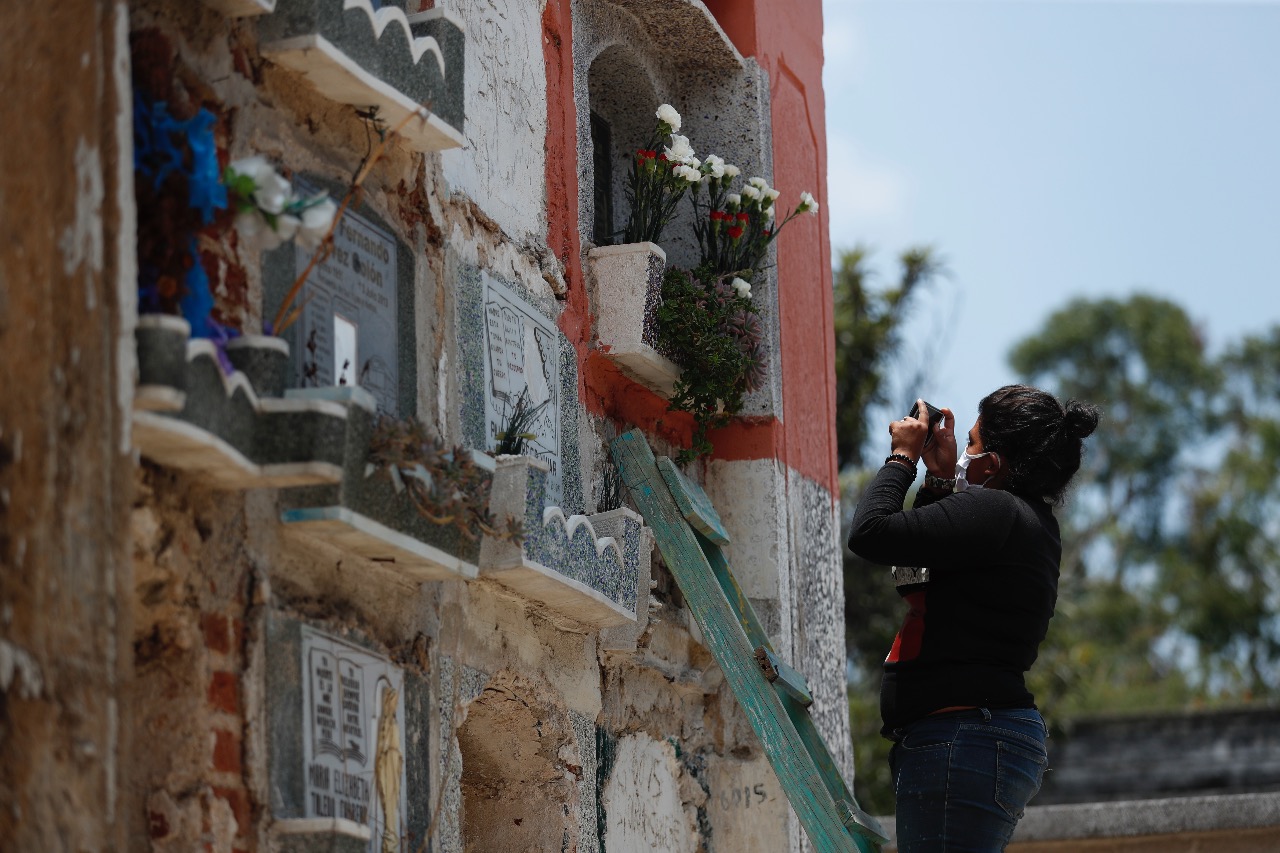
x=502 y=166
x=64 y=480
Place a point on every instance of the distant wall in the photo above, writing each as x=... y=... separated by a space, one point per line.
x=1164 y=755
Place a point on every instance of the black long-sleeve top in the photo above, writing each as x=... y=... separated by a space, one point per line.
x=976 y=623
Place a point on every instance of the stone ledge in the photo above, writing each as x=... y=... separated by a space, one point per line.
x=355 y=54
x=242 y=8
x=689 y=33
x=1234 y=822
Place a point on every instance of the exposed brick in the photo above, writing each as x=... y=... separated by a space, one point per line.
x=158 y=825
x=226 y=752
x=216 y=635
x=238 y=800
x=224 y=692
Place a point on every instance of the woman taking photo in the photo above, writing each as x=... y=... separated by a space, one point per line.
x=976 y=559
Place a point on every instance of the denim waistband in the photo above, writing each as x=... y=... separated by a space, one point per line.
x=979 y=715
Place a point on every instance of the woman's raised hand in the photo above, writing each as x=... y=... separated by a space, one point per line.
x=908 y=434
x=940 y=455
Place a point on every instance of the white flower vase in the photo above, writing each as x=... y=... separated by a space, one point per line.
x=628 y=287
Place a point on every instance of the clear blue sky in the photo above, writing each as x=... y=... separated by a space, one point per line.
x=1057 y=149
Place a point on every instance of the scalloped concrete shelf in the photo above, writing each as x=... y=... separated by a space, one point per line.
x=368 y=515
x=355 y=54
x=563 y=564
x=234 y=431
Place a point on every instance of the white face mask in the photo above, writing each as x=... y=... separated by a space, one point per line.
x=962 y=471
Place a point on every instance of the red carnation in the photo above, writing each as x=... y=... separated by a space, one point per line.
x=742 y=217
x=735 y=231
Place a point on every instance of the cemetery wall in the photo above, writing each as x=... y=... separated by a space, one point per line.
x=183 y=668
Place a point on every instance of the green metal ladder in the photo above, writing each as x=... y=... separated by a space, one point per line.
x=774 y=696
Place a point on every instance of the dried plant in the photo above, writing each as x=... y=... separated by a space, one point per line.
x=516 y=431
x=446 y=486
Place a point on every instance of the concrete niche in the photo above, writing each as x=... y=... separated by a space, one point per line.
x=623 y=101
x=519 y=786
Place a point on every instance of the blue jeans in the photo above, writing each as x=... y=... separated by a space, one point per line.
x=963 y=778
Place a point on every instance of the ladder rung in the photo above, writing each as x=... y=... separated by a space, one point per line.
x=859 y=822
x=783 y=676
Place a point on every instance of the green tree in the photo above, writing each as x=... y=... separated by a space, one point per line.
x=868 y=327
x=1221 y=574
x=1170 y=538
x=1143 y=361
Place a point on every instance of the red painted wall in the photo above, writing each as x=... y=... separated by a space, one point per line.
x=786 y=39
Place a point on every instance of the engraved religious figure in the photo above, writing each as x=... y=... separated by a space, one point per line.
x=388 y=769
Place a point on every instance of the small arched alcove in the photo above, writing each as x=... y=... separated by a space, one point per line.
x=623 y=102
x=517 y=794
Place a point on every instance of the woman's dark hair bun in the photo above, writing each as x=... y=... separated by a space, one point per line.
x=1080 y=419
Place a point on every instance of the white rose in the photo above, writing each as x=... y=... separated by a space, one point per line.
x=271 y=192
x=253 y=230
x=255 y=167
x=733 y=199
x=758 y=182
x=316 y=222
x=742 y=287
x=287 y=226
x=667 y=115
x=680 y=150
x=730 y=170
x=751 y=192
x=808 y=204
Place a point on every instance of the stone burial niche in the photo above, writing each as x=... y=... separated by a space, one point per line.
x=518 y=786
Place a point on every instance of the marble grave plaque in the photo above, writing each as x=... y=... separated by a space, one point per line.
x=522 y=356
x=353 y=726
x=348 y=325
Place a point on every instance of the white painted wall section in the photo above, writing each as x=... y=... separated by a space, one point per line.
x=643 y=807
x=503 y=166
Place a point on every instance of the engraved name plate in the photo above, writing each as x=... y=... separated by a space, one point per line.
x=348 y=324
x=353 y=735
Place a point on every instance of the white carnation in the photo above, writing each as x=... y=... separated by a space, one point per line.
x=772 y=194
x=733 y=199
x=667 y=115
x=758 y=182
x=689 y=173
x=680 y=151
x=751 y=192
x=714 y=166
x=730 y=170
x=316 y=222
x=808 y=204
x=743 y=288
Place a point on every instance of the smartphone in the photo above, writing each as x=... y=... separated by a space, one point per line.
x=935 y=418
